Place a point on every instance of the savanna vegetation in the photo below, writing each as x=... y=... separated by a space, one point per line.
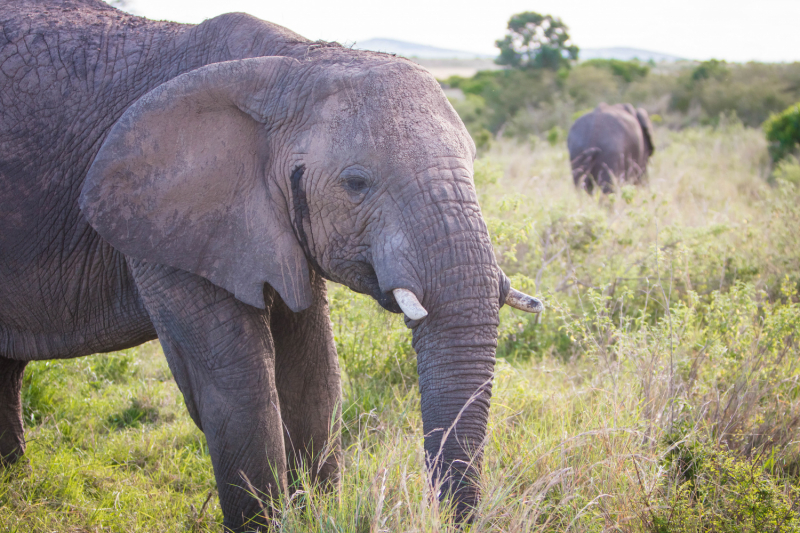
x=532 y=103
x=543 y=89
x=659 y=392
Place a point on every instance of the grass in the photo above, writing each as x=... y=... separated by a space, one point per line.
x=659 y=393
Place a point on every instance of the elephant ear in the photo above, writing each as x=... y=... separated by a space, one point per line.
x=647 y=130
x=181 y=181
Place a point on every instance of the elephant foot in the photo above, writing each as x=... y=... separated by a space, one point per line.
x=12 y=440
x=10 y=454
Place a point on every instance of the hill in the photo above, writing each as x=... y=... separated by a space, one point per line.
x=626 y=54
x=407 y=49
x=423 y=51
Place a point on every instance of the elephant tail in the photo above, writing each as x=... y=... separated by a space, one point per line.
x=584 y=167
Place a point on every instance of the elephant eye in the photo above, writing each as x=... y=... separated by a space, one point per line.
x=355 y=184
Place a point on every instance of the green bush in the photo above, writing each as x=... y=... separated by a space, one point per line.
x=503 y=94
x=788 y=169
x=783 y=132
x=473 y=112
x=523 y=103
x=753 y=91
x=554 y=135
x=588 y=85
x=711 y=69
x=724 y=492
x=627 y=71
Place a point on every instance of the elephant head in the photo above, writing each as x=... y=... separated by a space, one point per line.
x=351 y=163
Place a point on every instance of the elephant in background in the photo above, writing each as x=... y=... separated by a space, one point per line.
x=198 y=184
x=610 y=146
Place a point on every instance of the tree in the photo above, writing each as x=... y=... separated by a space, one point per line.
x=535 y=41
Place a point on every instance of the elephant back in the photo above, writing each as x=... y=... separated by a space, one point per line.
x=609 y=141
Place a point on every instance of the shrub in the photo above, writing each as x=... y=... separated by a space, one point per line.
x=788 y=170
x=725 y=493
x=783 y=132
x=554 y=135
x=752 y=91
x=627 y=71
x=503 y=94
x=474 y=113
x=589 y=85
x=711 y=69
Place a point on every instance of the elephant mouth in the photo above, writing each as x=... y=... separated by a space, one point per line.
x=372 y=288
x=388 y=302
x=365 y=281
x=360 y=277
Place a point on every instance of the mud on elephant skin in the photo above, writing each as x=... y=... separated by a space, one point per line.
x=610 y=146
x=198 y=184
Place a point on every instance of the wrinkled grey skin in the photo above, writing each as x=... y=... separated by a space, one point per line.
x=196 y=184
x=610 y=146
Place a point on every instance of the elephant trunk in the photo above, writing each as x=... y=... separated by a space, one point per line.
x=439 y=264
x=455 y=345
x=455 y=358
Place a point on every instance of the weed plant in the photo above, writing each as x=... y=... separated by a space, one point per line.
x=659 y=392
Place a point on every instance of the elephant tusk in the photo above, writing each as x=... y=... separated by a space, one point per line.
x=523 y=302
x=409 y=304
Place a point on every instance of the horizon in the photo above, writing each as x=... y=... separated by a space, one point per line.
x=691 y=29
x=360 y=45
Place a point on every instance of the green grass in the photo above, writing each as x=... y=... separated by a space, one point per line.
x=659 y=393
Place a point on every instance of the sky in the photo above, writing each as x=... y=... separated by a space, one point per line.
x=733 y=30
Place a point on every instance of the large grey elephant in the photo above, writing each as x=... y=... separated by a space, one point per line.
x=610 y=146
x=197 y=184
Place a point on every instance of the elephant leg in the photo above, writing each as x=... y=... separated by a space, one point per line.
x=606 y=178
x=12 y=440
x=309 y=385
x=221 y=353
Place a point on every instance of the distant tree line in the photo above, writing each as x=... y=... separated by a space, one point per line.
x=544 y=88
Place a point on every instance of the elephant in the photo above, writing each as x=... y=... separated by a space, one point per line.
x=198 y=184
x=610 y=145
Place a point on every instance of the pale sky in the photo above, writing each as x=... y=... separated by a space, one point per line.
x=734 y=30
